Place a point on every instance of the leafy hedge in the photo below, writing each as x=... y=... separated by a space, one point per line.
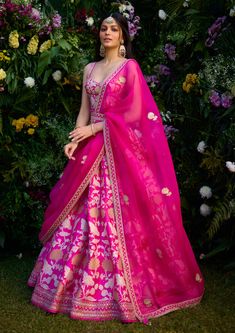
x=186 y=50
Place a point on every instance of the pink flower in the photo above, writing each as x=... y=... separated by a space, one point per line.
x=215 y=98
x=226 y=100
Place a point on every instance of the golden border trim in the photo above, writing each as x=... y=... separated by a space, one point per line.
x=75 y=197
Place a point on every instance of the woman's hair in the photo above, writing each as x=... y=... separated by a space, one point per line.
x=122 y=22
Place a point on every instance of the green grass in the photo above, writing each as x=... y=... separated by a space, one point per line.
x=215 y=314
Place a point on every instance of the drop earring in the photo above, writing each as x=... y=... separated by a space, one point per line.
x=122 y=49
x=102 y=51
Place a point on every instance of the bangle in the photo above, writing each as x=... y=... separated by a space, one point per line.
x=92 y=130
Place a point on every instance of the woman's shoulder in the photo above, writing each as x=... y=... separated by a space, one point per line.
x=88 y=66
x=132 y=62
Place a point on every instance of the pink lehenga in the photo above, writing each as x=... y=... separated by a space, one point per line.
x=114 y=242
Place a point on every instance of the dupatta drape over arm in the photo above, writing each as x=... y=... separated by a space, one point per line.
x=160 y=268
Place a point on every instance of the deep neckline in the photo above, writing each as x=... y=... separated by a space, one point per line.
x=109 y=75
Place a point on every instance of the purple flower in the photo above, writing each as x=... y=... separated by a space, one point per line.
x=35 y=15
x=151 y=78
x=164 y=70
x=216 y=26
x=169 y=49
x=226 y=100
x=56 y=21
x=215 y=98
x=170 y=131
x=214 y=31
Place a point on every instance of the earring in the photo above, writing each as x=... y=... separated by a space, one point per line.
x=102 y=50
x=122 y=49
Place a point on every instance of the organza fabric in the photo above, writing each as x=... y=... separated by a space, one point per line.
x=159 y=266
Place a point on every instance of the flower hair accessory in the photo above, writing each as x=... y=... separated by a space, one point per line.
x=109 y=19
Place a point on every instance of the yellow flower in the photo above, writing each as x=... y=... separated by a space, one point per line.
x=31 y=131
x=33 y=45
x=31 y=120
x=18 y=123
x=3 y=57
x=2 y=74
x=14 y=39
x=190 y=81
x=45 y=46
x=187 y=86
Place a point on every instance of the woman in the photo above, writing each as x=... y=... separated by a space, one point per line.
x=114 y=243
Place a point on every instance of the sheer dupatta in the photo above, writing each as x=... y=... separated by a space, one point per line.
x=160 y=268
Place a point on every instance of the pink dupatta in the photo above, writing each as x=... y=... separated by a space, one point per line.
x=160 y=268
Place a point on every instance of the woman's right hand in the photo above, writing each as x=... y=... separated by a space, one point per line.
x=69 y=149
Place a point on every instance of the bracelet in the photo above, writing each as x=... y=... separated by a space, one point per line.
x=92 y=130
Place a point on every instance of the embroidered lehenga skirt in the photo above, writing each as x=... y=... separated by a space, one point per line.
x=79 y=270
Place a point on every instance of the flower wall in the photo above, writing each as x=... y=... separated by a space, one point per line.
x=186 y=51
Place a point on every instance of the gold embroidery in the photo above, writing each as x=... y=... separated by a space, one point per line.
x=84 y=157
x=159 y=253
x=77 y=258
x=111 y=212
x=94 y=263
x=94 y=212
x=119 y=263
x=166 y=191
x=152 y=116
x=107 y=265
x=147 y=302
x=56 y=254
x=122 y=79
x=198 y=278
x=126 y=199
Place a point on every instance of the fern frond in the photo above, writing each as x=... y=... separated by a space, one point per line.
x=223 y=212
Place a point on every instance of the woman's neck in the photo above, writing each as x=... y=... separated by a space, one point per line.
x=111 y=55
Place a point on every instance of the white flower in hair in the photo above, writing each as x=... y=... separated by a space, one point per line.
x=205 y=210
x=205 y=192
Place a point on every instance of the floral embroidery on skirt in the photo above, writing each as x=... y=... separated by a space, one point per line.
x=79 y=270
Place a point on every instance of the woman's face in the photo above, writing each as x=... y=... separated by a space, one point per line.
x=110 y=34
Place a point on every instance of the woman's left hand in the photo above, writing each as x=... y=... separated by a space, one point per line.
x=81 y=133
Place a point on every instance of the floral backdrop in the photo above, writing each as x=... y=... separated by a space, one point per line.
x=186 y=51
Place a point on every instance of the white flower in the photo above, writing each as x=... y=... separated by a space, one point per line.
x=231 y=166
x=19 y=256
x=201 y=147
x=129 y=7
x=122 y=8
x=205 y=192
x=162 y=14
x=205 y=210
x=232 y=12
x=29 y=82
x=185 y=4
x=90 y=21
x=57 y=75
x=127 y=16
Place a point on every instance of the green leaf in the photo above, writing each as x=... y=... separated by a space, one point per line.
x=44 y=61
x=47 y=74
x=64 y=44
